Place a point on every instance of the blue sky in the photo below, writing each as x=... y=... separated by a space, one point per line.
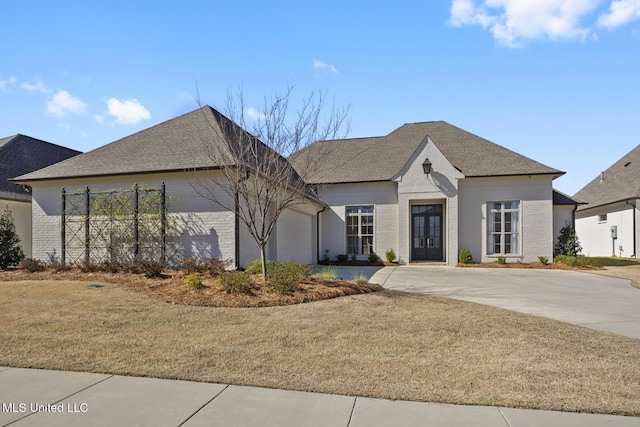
x=556 y=80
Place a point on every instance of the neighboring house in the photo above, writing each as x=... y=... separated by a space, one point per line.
x=607 y=223
x=20 y=154
x=428 y=190
x=181 y=154
x=425 y=190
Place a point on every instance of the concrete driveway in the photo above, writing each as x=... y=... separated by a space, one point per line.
x=590 y=300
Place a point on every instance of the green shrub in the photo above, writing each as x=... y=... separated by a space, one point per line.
x=353 y=257
x=284 y=280
x=342 y=257
x=193 y=281
x=10 y=250
x=465 y=256
x=236 y=282
x=390 y=255
x=301 y=269
x=543 y=260
x=502 y=259
x=374 y=257
x=360 y=279
x=568 y=243
x=32 y=265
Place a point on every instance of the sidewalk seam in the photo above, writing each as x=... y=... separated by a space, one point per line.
x=226 y=386
x=353 y=408
x=504 y=417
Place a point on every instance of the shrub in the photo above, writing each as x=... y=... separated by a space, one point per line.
x=283 y=280
x=236 y=282
x=465 y=256
x=10 y=250
x=55 y=263
x=32 y=265
x=543 y=260
x=502 y=259
x=216 y=266
x=192 y=265
x=390 y=255
x=327 y=274
x=325 y=256
x=193 y=281
x=568 y=243
x=301 y=269
x=353 y=257
x=138 y=265
x=360 y=279
x=342 y=257
x=374 y=257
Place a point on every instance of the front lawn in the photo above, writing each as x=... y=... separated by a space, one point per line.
x=384 y=344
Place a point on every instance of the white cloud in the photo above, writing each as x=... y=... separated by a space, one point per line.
x=513 y=22
x=255 y=114
x=321 y=65
x=126 y=112
x=36 y=87
x=63 y=103
x=621 y=12
x=4 y=84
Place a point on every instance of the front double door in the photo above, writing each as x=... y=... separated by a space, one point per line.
x=426 y=233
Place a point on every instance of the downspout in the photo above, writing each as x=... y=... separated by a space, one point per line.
x=237 y=231
x=634 y=226
x=318 y=234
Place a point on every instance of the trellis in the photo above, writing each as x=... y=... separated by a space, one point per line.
x=114 y=225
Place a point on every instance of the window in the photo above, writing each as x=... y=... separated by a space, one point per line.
x=359 y=230
x=503 y=224
x=602 y=218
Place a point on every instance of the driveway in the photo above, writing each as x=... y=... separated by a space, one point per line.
x=590 y=300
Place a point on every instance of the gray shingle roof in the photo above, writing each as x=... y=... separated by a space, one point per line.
x=620 y=182
x=379 y=159
x=559 y=198
x=21 y=154
x=177 y=144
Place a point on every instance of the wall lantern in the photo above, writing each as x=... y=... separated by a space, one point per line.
x=426 y=166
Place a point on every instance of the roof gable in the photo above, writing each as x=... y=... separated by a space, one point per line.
x=21 y=154
x=382 y=158
x=620 y=182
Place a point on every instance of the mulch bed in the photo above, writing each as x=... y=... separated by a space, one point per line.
x=172 y=289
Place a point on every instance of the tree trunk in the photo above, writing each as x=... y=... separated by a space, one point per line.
x=263 y=258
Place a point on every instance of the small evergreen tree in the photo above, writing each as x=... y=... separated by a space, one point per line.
x=568 y=243
x=10 y=250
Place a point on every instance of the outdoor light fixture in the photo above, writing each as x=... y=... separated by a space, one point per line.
x=426 y=166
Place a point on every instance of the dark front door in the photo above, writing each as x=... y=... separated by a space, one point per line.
x=426 y=233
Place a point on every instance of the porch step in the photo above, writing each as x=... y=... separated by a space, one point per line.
x=428 y=264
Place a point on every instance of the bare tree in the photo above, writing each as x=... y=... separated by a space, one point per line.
x=257 y=181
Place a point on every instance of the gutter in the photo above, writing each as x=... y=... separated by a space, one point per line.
x=324 y=208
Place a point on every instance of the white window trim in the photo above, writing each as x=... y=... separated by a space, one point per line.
x=489 y=246
x=602 y=218
x=360 y=214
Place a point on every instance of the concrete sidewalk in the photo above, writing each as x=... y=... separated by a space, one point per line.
x=32 y=397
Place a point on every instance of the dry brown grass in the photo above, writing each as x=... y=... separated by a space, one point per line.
x=385 y=344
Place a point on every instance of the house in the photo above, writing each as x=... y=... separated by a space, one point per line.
x=606 y=224
x=425 y=190
x=428 y=190
x=21 y=154
x=184 y=157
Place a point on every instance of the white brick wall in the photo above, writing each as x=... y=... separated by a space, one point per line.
x=536 y=214
x=384 y=198
x=438 y=187
x=205 y=229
